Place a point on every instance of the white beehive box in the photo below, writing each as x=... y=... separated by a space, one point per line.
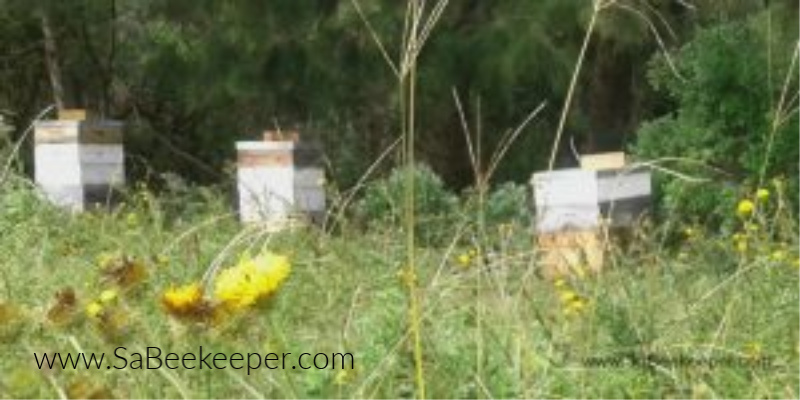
x=575 y=199
x=571 y=205
x=79 y=163
x=278 y=181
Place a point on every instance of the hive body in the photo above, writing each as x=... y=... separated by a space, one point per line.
x=572 y=205
x=79 y=164
x=278 y=181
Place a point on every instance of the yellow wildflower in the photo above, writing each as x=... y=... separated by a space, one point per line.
x=568 y=296
x=762 y=194
x=575 y=307
x=464 y=260
x=741 y=246
x=745 y=208
x=778 y=255
x=108 y=295
x=752 y=349
x=251 y=280
x=94 y=309
x=182 y=300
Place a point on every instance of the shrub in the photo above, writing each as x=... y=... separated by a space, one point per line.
x=383 y=203
x=722 y=118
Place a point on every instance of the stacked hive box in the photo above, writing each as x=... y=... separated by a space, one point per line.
x=573 y=204
x=279 y=180
x=78 y=162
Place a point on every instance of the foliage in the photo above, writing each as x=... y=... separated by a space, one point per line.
x=724 y=99
x=507 y=203
x=534 y=338
x=383 y=203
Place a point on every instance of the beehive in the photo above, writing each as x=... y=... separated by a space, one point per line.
x=79 y=163
x=572 y=205
x=280 y=180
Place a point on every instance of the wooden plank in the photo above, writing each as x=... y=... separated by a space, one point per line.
x=603 y=161
x=72 y=114
x=86 y=132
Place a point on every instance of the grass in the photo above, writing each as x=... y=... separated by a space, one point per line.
x=661 y=294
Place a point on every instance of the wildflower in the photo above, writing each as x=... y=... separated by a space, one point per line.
x=741 y=246
x=182 y=300
x=108 y=295
x=568 y=295
x=251 y=280
x=343 y=376
x=94 y=309
x=464 y=260
x=777 y=256
x=752 y=349
x=61 y=310
x=762 y=194
x=745 y=208
x=575 y=307
x=124 y=271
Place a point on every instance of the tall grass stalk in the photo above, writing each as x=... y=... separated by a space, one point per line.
x=418 y=25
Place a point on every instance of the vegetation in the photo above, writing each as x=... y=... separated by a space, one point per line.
x=490 y=326
x=425 y=268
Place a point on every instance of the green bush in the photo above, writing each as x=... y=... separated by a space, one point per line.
x=722 y=119
x=383 y=203
x=507 y=203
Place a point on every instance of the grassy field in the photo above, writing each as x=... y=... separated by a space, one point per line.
x=491 y=327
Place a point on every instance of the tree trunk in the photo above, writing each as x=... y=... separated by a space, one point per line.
x=51 y=60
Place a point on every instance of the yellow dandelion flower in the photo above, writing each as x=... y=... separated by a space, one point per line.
x=777 y=256
x=575 y=307
x=343 y=376
x=464 y=260
x=108 y=295
x=251 y=279
x=568 y=296
x=183 y=299
x=94 y=309
x=762 y=194
x=745 y=208
x=752 y=349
